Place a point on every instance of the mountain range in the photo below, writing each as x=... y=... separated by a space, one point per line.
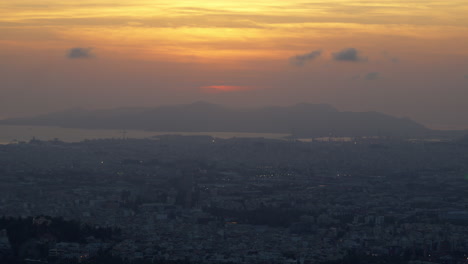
x=300 y=120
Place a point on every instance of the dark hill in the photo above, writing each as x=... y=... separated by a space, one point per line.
x=302 y=120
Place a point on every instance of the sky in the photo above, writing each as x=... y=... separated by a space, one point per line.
x=407 y=58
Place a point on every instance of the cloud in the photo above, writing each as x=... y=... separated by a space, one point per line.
x=349 y=54
x=80 y=53
x=300 y=60
x=466 y=76
x=372 y=76
x=390 y=57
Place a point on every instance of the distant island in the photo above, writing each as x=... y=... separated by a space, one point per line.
x=300 y=120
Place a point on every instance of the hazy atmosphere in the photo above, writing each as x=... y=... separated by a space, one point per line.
x=233 y=132
x=405 y=58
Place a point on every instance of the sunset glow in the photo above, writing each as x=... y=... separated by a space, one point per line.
x=224 y=88
x=208 y=30
x=166 y=46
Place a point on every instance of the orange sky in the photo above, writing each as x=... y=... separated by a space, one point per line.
x=411 y=57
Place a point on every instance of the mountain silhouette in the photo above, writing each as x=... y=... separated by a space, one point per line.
x=300 y=120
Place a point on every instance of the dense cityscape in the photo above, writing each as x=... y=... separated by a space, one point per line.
x=233 y=132
x=200 y=199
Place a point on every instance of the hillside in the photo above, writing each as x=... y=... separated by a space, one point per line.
x=302 y=120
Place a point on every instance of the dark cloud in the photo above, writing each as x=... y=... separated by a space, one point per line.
x=390 y=57
x=300 y=60
x=372 y=76
x=80 y=53
x=349 y=54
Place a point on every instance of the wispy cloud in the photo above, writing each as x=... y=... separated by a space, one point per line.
x=80 y=53
x=349 y=54
x=372 y=76
x=390 y=57
x=300 y=60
